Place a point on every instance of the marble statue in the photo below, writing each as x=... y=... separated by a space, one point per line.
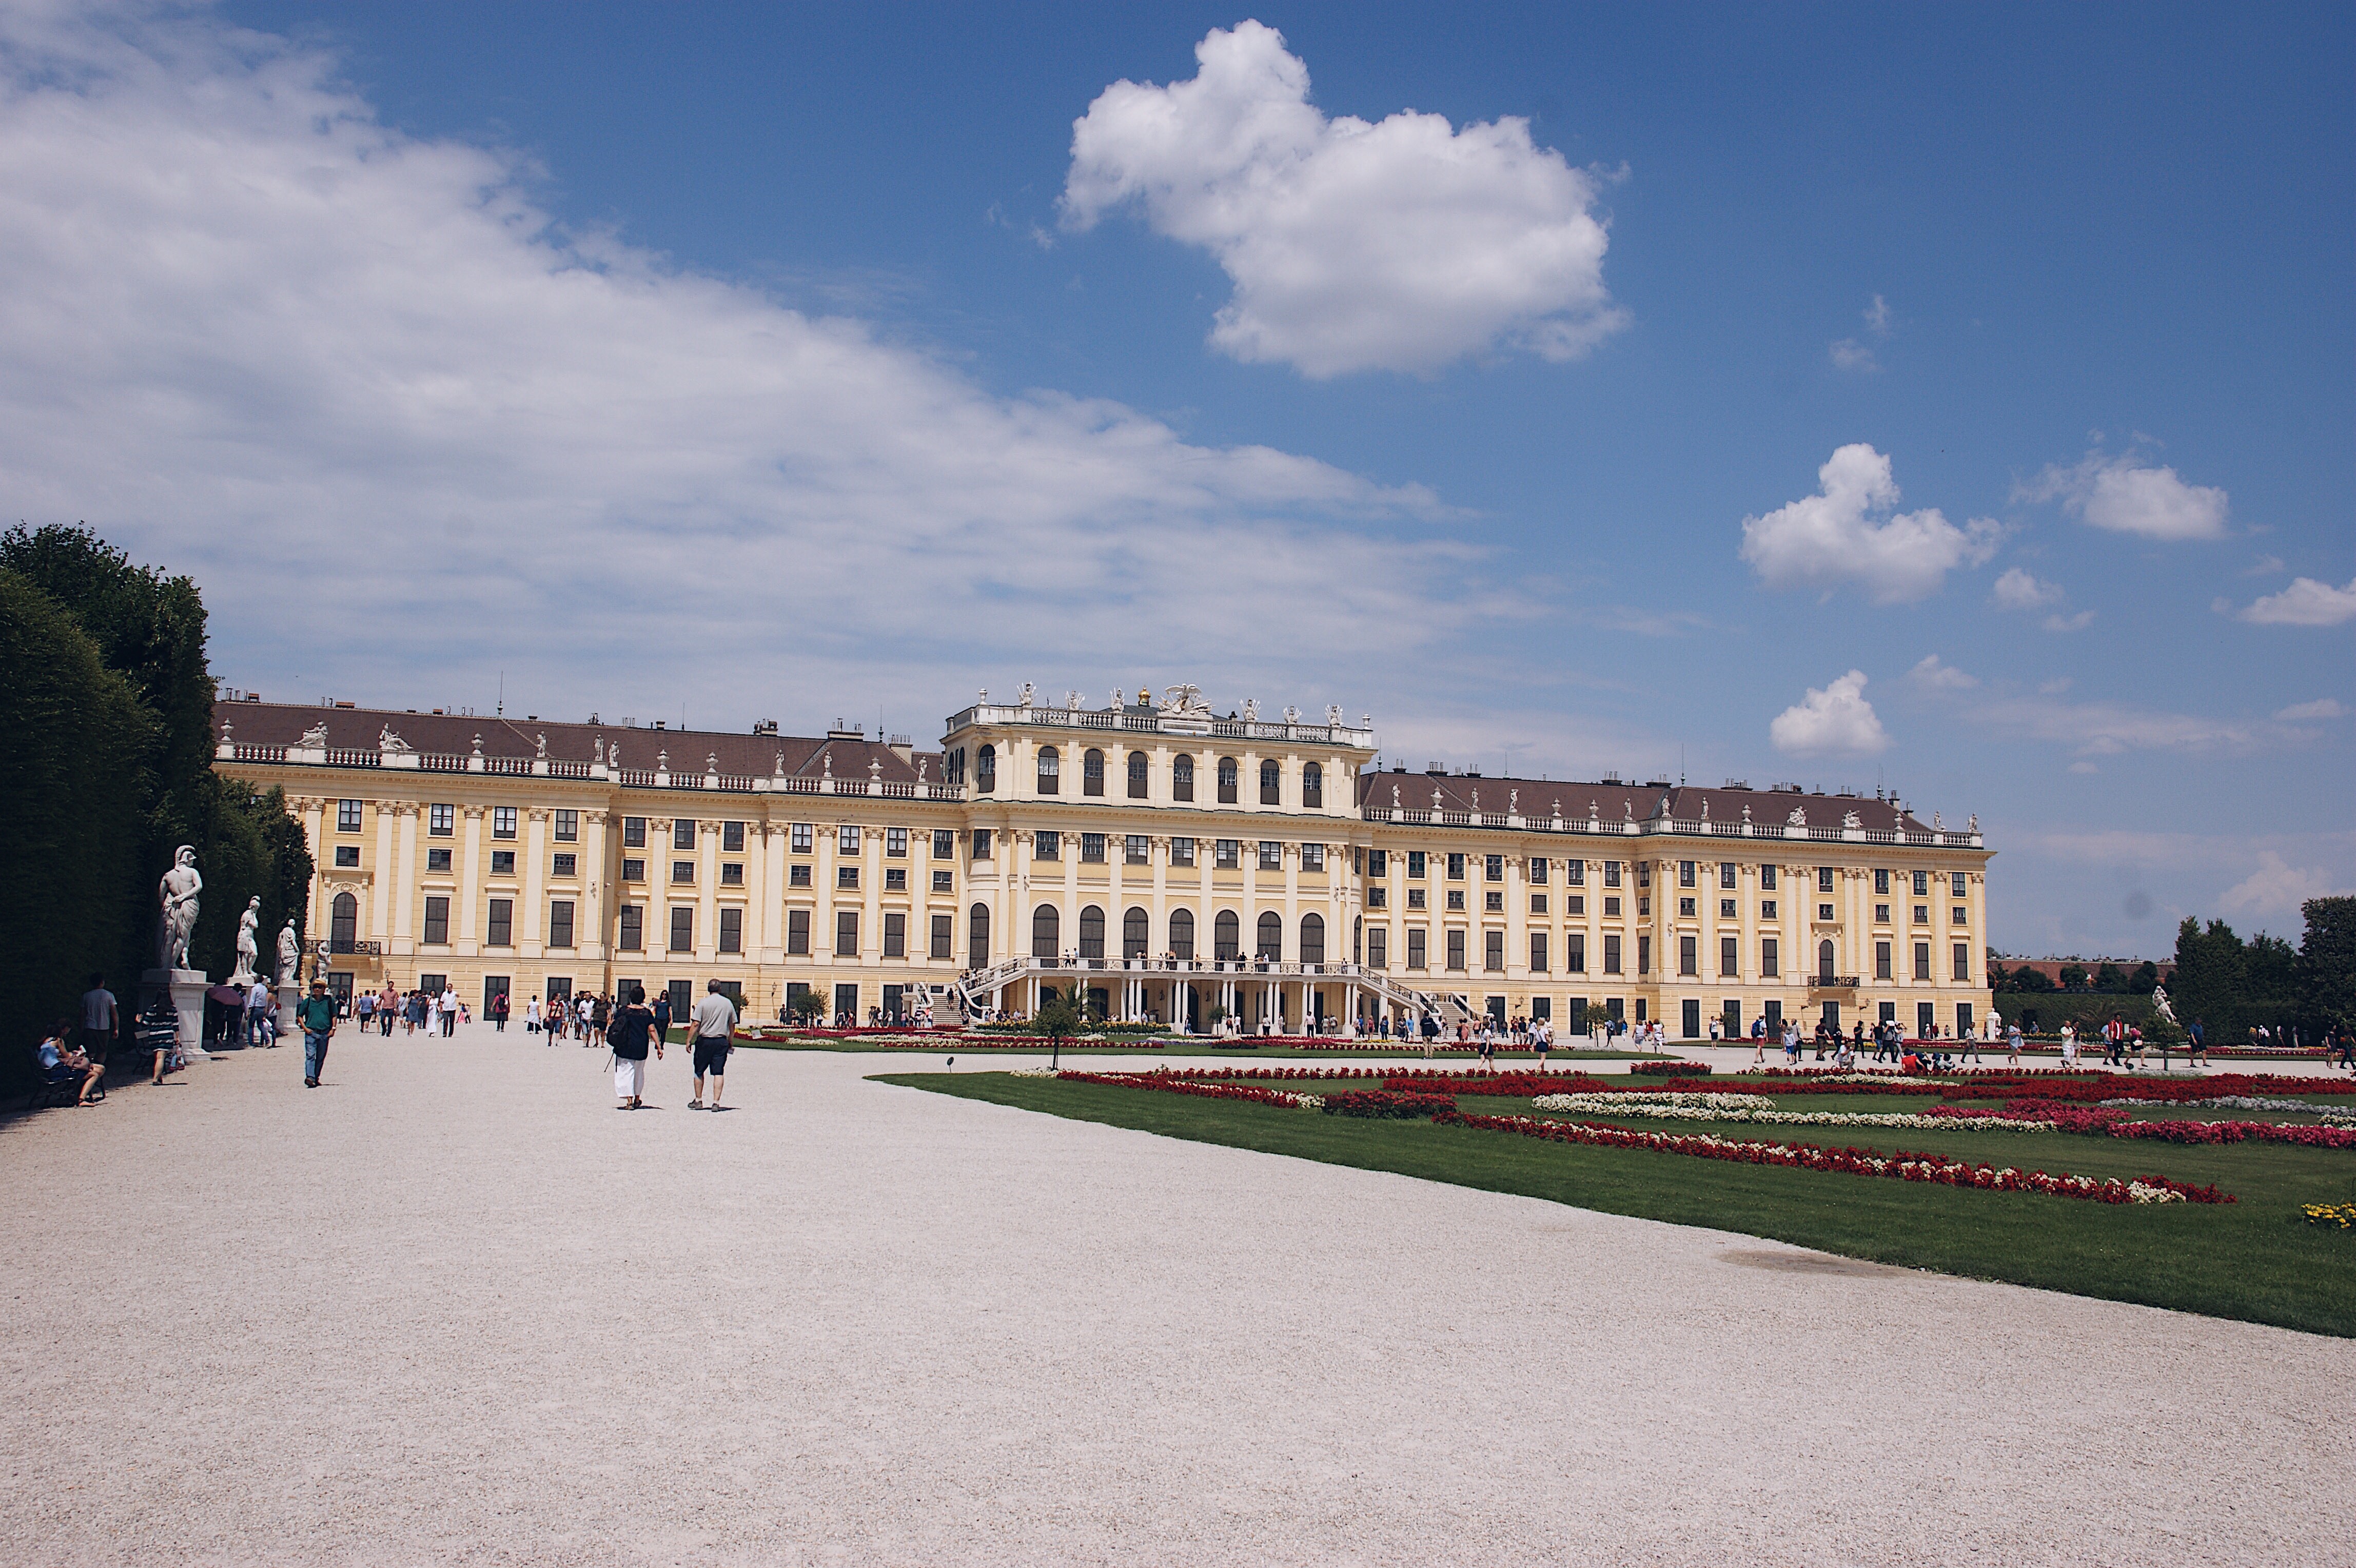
x=1394 y=800
x=290 y=957
x=390 y=743
x=1184 y=701
x=177 y=894
x=249 y=943
x=316 y=736
x=1799 y=817
x=541 y=751
x=2160 y=1003
x=1851 y=820
x=1026 y=695
x=1251 y=710
x=1332 y=715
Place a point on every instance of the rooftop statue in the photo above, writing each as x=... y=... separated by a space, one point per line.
x=316 y=736
x=1851 y=820
x=1184 y=701
x=1799 y=817
x=390 y=743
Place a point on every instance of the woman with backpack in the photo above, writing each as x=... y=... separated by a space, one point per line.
x=630 y=1035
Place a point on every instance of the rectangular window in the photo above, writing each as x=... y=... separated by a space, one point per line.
x=1961 y=915
x=1685 y=874
x=1574 y=873
x=896 y=844
x=1493 y=868
x=1823 y=911
x=798 y=932
x=1962 y=961
x=846 y=840
x=1725 y=873
x=1456 y=949
x=846 y=933
x=981 y=843
x=1415 y=864
x=1767 y=879
x=634 y=928
x=1922 y=884
x=1575 y=904
x=1537 y=903
x=804 y=837
x=1925 y=1014
x=731 y=930
x=1685 y=909
x=682 y=928
x=682 y=833
x=437 y=922
x=1047 y=845
x=1182 y=852
x=1312 y=857
x=1378 y=897
x=503 y=862
x=1416 y=940
x=1492 y=902
x=347 y=856
x=1271 y=854
x=1688 y=959
x=1730 y=957
x=440 y=821
x=1611 y=909
x=560 y=922
x=731 y=873
x=1766 y=909
x=1414 y=898
x=1644 y=875
x=1726 y=909
x=1922 y=961
x=1092 y=848
x=1767 y=959
x=846 y=876
x=1493 y=952
x=1824 y=879
x=1456 y=899
x=1881 y=961
x=896 y=879
x=1921 y=914
x=634 y=833
x=568 y=827
x=943 y=882
x=943 y=844
x=1881 y=914
x=563 y=865
x=1644 y=955
x=437 y=860
x=683 y=871
x=1538 y=952
x=895 y=934
x=1227 y=855
x=1378 y=947
x=797 y=876
x=941 y=934
x=503 y=821
x=1611 y=955
x=1378 y=862
x=1538 y=870
x=732 y=838
x=1882 y=881
x=1611 y=874
x=1574 y=953
x=1137 y=850
x=634 y=871
x=1954 y=885
x=347 y=818
x=1455 y=866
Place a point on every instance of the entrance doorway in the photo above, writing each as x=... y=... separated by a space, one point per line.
x=1691 y=1023
x=846 y=1004
x=493 y=987
x=1832 y=1016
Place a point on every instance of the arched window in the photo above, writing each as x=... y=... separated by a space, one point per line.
x=1313 y=786
x=1271 y=777
x=1137 y=776
x=1182 y=933
x=977 y=941
x=1182 y=777
x=1135 y=931
x=1046 y=932
x=1825 y=961
x=1271 y=937
x=985 y=769
x=1313 y=938
x=343 y=925
x=1227 y=937
x=1091 y=932
x=1226 y=781
x=1357 y=940
x=1092 y=772
x=1049 y=771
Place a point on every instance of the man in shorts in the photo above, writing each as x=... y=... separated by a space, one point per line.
x=708 y=1029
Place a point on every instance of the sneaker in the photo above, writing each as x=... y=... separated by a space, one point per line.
x=695 y=1105
x=310 y=1083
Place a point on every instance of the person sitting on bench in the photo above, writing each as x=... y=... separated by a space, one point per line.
x=62 y=1063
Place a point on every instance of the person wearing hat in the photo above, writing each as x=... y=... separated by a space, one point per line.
x=315 y=1014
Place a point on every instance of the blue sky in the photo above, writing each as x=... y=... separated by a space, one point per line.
x=797 y=363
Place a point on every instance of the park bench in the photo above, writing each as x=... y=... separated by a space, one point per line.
x=47 y=1090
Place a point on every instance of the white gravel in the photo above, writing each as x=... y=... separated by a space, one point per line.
x=452 y=1307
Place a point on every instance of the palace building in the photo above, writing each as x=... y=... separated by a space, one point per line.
x=1165 y=861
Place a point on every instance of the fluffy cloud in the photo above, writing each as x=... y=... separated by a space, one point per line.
x=2305 y=603
x=1837 y=719
x=2102 y=729
x=2321 y=708
x=250 y=332
x=2017 y=590
x=2124 y=495
x=1398 y=246
x=1934 y=676
x=2278 y=888
x=1830 y=537
x=1851 y=354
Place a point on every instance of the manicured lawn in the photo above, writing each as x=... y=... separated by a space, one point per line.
x=2255 y=1258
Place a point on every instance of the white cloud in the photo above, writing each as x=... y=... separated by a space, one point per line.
x=2017 y=590
x=2083 y=767
x=1877 y=316
x=2125 y=495
x=1851 y=355
x=1939 y=677
x=2264 y=566
x=1828 y=539
x=2278 y=888
x=2305 y=603
x=2321 y=708
x=2077 y=622
x=1836 y=719
x=250 y=332
x=1403 y=245
x=2104 y=729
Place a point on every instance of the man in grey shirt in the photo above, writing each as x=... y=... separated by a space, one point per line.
x=708 y=1029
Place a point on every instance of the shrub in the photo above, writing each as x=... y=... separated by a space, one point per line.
x=1388 y=1105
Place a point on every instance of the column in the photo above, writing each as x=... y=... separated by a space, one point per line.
x=405 y=904
x=380 y=928
x=470 y=885
x=591 y=929
x=707 y=891
x=773 y=893
x=535 y=882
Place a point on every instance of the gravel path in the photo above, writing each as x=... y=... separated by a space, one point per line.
x=451 y=1307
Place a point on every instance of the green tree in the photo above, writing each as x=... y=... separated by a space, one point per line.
x=2327 y=964
x=2073 y=977
x=2211 y=979
x=1059 y=1018
x=2147 y=977
x=2270 y=982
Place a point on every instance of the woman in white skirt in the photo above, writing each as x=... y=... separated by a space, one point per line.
x=630 y=1035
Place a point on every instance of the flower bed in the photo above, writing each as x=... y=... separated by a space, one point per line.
x=1383 y=1105
x=1901 y=1166
x=1763 y=1111
x=2096 y=1087
x=2238 y=1133
x=1171 y=1083
x=1670 y=1069
x=2340 y=1214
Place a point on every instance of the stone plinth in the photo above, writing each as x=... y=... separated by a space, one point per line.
x=287 y=994
x=187 y=988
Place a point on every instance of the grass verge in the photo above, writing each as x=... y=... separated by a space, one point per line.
x=2256 y=1259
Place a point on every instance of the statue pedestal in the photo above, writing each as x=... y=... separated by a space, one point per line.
x=286 y=994
x=186 y=989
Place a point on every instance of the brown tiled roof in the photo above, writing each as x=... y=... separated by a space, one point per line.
x=1616 y=802
x=356 y=730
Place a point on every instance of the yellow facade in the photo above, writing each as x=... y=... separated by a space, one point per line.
x=1169 y=860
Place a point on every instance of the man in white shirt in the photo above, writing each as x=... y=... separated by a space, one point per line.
x=261 y=1020
x=449 y=1009
x=709 y=1031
